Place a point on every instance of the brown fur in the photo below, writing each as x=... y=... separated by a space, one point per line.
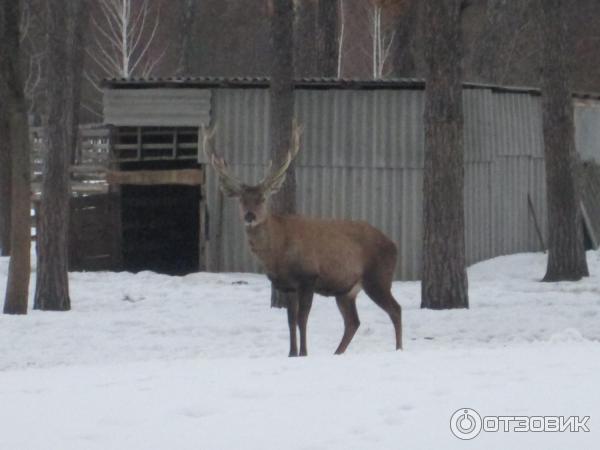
x=329 y=257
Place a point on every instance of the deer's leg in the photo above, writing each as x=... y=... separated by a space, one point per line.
x=347 y=306
x=384 y=299
x=305 y=297
x=292 y=313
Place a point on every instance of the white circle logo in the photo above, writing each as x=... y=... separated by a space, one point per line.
x=465 y=423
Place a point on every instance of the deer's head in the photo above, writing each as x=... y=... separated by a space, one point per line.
x=253 y=198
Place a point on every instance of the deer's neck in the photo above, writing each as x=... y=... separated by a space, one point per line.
x=265 y=239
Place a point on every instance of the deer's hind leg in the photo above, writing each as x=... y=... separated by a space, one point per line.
x=378 y=286
x=347 y=306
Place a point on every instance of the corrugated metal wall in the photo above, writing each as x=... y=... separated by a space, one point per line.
x=156 y=107
x=587 y=129
x=362 y=158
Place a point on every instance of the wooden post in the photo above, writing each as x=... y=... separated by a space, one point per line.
x=114 y=206
x=535 y=223
x=174 y=152
x=202 y=218
x=139 y=143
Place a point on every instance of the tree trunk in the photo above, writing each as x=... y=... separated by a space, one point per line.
x=5 y=170
x=404 y=62
x=187 y=17
x=282 y=112
x=52 y=289
x=17 y=287
x=305 y=41
x=327 y=38
x=78 y=21
x=489 y=51
x=444 y=281
x=566 y=254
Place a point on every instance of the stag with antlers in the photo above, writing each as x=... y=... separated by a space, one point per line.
x=336 y=258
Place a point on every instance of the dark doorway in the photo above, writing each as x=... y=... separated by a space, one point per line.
x=160 y=228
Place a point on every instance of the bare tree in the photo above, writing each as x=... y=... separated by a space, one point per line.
x=31 y=55
x=124 y=44
x=444 y=281
x=63 y=79
x=17 y=288
x=566 y=255
x=342 y=35
x=282 y=115
x=382 y=31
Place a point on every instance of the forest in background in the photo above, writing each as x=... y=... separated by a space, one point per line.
x=230 y=38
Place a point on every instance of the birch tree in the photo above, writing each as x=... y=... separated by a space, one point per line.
x=382 y=32
x=341 y=36
x=124 y=40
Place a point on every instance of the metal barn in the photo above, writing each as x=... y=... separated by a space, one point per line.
x=361 y=158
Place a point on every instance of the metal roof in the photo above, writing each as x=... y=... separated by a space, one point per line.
x=308 y=83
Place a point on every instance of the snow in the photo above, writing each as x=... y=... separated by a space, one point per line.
x=147 y=361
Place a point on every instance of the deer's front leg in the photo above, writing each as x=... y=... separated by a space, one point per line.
x=292 y=313
x=305 y=297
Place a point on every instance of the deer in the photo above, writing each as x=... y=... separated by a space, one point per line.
x=305 y=255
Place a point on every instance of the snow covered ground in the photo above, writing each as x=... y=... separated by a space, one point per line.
x=148 y=361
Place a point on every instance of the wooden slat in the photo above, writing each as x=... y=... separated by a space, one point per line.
x=190 y=177
x=87 y=169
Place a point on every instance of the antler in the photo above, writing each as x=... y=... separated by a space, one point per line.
x=275 y=178
x=230 y=185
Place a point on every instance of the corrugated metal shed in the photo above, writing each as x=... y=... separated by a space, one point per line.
x=362 y=158
x=590 y=199
x=157 y=107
